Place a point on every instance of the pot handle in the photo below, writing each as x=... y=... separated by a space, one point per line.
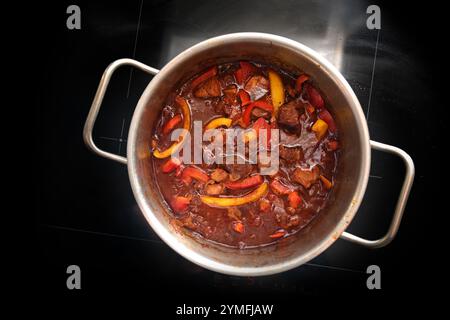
x=401 y=202
x=97 y=102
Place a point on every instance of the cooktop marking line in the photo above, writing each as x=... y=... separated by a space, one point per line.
x=135 y=45
x=99 y=233
x=333 y=267
x=373 y=73
x=121 y=135
x=113 y=139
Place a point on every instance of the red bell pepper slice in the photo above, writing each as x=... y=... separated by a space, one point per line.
x=203 y=77
x=299 y=82
x=245 y=97
x=246 y=117
x=171 y=124
x=314 y=96
x=193 y=173
x=333 y=145
x=261 y=123
x=249 y=182
x=294 y=199
x=326 y=116
x=179 y=204
x=245 y=70
x=170 y=165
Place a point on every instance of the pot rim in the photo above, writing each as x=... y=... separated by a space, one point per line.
x=167 y=236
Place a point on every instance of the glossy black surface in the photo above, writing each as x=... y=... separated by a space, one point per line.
x=86 y=213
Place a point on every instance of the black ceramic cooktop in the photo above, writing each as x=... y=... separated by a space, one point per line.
x=86 y=214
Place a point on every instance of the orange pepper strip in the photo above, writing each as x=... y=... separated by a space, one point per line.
x=278 y=234
x=294 y=199
x=219 y=122
x=276 y=91
x=236 y=201
x=327 y=183
x=238 y=226
x=185 y=109
x=320 y=127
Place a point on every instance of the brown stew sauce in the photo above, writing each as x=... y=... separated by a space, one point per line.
x=308 y=151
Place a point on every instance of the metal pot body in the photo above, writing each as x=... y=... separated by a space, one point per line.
x=352 y=172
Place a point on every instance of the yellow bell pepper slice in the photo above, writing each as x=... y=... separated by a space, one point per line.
x=320 y=127
x=276 y=90
x=186 y=111
x=218 y=122
x=225 y=202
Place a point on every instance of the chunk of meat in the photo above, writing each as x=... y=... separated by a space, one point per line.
x=214 y=189
x=288 y=115
x=279 y=188
x=260 y=113
x=188 y=222
x=234 y=213
x=227 y=79
x=208 y=89
x=230 y=94
x=306 y=177
x=291 y=154
x=219 y=175
x=232 y=111
x=257 y=86
x=238 y=171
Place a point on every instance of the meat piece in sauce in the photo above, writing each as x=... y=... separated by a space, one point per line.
x=260 y=113
x=257 y=87
x=214 y=189
x=230 y=94
x=208 y=89
x=234 y=213
x=233 y=111
x=219 y=175
x=238 y=171
x=306 y=177
x=289 y=116
x=291 y=154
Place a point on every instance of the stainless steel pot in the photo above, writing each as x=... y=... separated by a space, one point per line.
x=353 y=170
